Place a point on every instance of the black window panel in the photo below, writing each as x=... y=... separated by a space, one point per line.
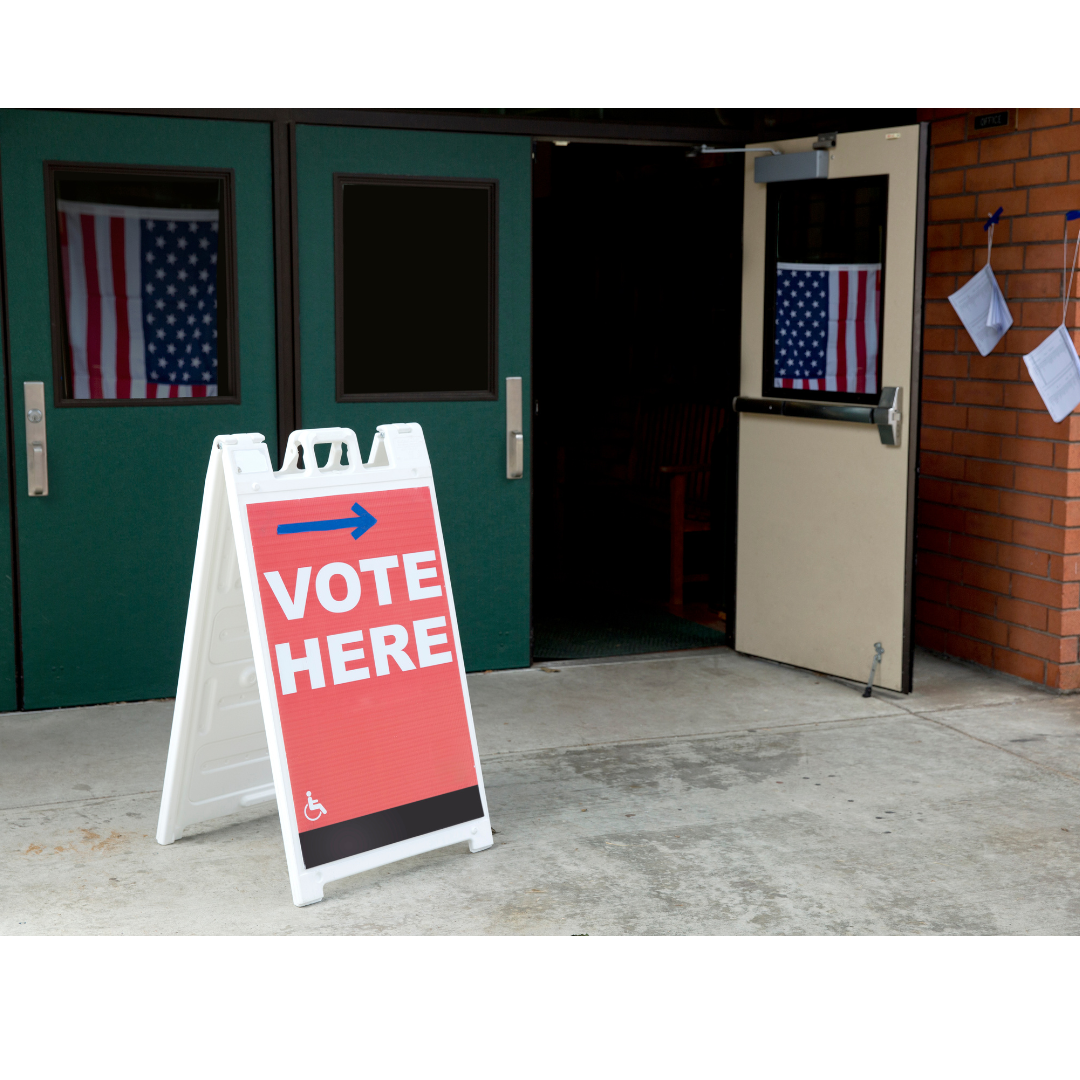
x=416 y=289
x=826 y=222
x=164 y=190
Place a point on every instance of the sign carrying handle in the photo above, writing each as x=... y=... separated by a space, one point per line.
x=307 y=439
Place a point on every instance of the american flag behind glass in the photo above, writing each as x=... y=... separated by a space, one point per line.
x=827 y=327
x=140 y=293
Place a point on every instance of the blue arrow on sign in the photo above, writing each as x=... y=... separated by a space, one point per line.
x=359 y=524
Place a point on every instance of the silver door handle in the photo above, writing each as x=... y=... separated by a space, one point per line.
x=886 y=414
x=37 y=447
x=515 y=437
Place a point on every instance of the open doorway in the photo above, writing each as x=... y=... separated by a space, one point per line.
x=636 y=299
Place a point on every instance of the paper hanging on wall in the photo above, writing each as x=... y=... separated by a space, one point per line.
x=1054 y=368
x=982 y=309
x=979 y=304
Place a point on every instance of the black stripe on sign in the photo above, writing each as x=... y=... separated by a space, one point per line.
x=333 y=842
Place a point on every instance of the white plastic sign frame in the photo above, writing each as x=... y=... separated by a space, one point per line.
x=228 y=748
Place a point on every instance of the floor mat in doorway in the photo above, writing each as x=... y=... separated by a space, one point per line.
x=587 y=635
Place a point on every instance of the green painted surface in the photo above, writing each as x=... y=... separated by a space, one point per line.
x=7 y=585
x=485 y=517
x=106 y=557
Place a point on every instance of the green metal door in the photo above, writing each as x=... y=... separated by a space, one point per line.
x=105 y=558
x=485 y=515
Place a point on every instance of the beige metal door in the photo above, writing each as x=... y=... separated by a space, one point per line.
x=825 y=532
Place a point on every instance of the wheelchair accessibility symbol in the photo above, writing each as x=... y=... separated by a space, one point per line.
x=314 y=810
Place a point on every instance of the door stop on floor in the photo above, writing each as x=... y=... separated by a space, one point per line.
x=879 y=650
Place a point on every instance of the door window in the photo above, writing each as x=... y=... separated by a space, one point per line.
x=415 y=289
x=824 y=283
x=142 y=285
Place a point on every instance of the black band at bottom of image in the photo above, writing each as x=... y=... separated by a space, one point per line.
x=333 y=842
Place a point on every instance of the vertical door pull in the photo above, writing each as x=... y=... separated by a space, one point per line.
x=515 y=437
x=37 y=453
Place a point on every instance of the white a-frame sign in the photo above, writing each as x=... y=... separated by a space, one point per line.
x=322 y=663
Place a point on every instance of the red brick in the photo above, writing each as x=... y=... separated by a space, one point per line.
x=940 y=567
x=1063 y=676
x=1024 y=560
x=944 y=465
x=1062 y=623
x=940 y=390
x=946 y=416
x=1024 y=285
x=1058 y=198
x=1059 y=140
x=933 y=490
x=1041 y=481
x=994 y=367
x=1066 y=512
x=942 y=236
x=1044 y=537
x=1026 y=667
x=1040 y=426
x=946 y=131
x=1021 y=396
x=1074 y=166
x=936 y=440
x=1066 y=455
x=940 y=287
x=941 y=313
x=952 y=261
x=990 y=526
x=976 y=600
x=974 y=549
x=1041 y=118
x=1027 y=229
x=941 y=517
x=988 y=178
x=973 y=235
x=1002 y=421
x=988 y=578
x=1004 y=258
x=1004 y=147
x=952 y=208
x=1029 y=451
x=1041 y=257
x=930 y=637
x=939 y=339
x=1064 y=568
x=1053 y=170
x=976 y=445
x=967 y=649
x=1060 y=650
x=937 y=615
x=933 y=589
x=971 y=392
x=975 y=497
x=1040 y=590
x=955 y=157
x=1013 y=203
x=1025 y=506
x=1044 y=313
x=1023 y=341
x=978 y=626
x=945 y=365
x=991 y=473
x=947 y=183
x=1033 y=616
x=933 y=540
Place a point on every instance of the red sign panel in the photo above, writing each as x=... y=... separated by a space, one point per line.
x=365 y=661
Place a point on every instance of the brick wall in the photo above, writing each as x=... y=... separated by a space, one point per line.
x=998 y=576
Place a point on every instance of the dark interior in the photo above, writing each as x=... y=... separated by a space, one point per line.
x=637 y=272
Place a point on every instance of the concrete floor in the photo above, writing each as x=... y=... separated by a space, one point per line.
x=703 y=793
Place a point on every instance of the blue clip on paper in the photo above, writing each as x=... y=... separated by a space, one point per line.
x=995 y=217
x=1072 y=215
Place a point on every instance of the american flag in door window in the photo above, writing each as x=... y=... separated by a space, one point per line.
x=827 y=327
x=141 y=298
